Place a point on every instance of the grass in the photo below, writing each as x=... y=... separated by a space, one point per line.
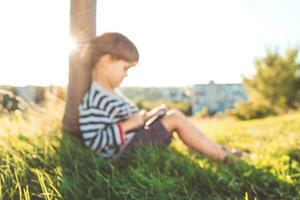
x=37 y=161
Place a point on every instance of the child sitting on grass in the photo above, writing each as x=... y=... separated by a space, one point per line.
x=111 y=125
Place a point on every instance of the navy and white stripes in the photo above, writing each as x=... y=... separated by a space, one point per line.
x=100 y=113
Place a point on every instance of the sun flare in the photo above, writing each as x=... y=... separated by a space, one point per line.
x=71 y=44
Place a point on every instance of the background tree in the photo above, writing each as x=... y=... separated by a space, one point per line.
x=277 y=80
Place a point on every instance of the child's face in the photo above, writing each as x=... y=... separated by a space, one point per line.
x=118 y=71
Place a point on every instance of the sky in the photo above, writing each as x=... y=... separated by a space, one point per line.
x=181 y=42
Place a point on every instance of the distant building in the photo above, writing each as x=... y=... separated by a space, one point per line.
x=217 y=97
x=35 y=94
x=31 y=93
x=175 y=93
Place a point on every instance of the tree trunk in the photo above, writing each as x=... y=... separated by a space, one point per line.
x=82 y=29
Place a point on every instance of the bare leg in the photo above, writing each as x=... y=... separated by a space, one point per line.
x=192 y=136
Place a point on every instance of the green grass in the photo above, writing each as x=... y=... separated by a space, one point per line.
x=38 y=162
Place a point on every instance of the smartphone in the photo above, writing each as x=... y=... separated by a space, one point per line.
x=158 y=115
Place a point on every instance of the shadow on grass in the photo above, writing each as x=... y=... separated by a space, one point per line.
x=294 y=166
x=294 y=154
x=152 y=173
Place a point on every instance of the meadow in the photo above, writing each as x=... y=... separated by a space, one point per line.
x=38 y=161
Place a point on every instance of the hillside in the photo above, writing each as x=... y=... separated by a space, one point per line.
x=38 y=162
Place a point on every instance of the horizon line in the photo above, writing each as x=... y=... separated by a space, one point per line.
x=121 y=86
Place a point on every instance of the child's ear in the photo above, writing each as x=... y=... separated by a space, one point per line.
x=106 y=59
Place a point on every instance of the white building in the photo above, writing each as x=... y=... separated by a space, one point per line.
x=217 y=97
x=32 y=93
x=175 y=93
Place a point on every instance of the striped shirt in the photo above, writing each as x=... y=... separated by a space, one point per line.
x=100 y=114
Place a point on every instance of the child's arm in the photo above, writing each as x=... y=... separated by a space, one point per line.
x=135 y=121
x=99 y=132
x=138 y=120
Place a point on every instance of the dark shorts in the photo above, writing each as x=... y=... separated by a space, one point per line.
x=156 y=134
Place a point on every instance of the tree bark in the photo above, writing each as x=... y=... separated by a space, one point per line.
x=82 y=29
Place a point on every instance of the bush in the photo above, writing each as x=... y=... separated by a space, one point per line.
x=203 y=113
x=9 y=102
x=249 y=110
x=218 y=115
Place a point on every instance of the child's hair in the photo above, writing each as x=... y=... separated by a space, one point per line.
x=115 y=44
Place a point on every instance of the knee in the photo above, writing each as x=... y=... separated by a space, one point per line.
x=173 y=120
x=175 y=115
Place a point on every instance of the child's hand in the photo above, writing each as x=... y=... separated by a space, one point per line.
x=155 y=110
x=135 y=121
